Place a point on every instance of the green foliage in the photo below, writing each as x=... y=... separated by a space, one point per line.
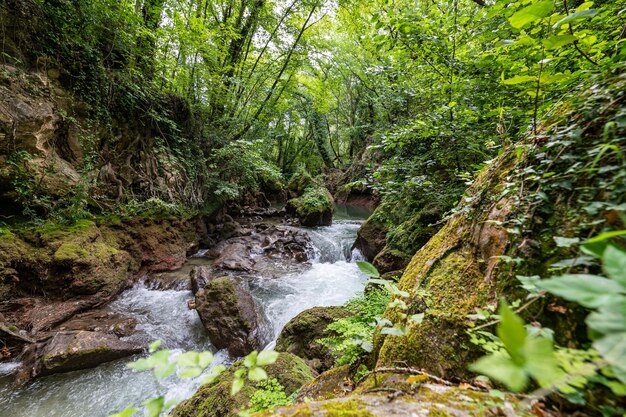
x=187 y=365
x=524 y=356
x=606 y=297
x=355 y=333
x=269 y=394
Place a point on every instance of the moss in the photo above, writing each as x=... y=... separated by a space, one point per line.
x=351 y=408
x=328 y=385
x=300 y=181
x=314 y=207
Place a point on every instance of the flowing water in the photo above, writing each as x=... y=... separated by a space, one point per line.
x=330 y=279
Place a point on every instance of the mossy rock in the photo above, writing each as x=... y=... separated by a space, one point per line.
x=330 y=384
x=214 y=399
x=371 y=237
x=300 y=181
x=389 y=260
x=300 y=335
x=428 y=400
x=314 y=208
x=457 y=269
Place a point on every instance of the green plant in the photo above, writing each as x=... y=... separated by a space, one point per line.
x=269 y=394
x=188 y=365
x=517 y=355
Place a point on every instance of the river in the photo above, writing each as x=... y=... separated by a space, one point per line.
x=329 y=279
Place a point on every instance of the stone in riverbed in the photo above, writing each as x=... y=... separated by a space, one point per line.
x=300 y=335
x=71 y=351
x=231 y=317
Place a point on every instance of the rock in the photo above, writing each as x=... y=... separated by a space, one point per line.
x=371 y=238
x=230 y=229
x=101 y=321
x=199 y=277
x=425 y=400
x=214 y=400
x=333 y=383
x=39 y=315
x=313 y=208
x=71 y=351
x=231 y=317
x=235 y=257
x=389 y=260
x=300 y=335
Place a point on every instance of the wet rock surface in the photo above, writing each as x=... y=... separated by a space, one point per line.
x=231 y=317
x=72 y=350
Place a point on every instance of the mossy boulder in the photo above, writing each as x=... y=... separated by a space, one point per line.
x=214 y=399
x=231 y=317
x=390 y=260
x=371 y=237
x=300 y=335
x=300 y=181
x=313 y=208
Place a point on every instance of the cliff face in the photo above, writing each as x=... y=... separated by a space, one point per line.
x=77 y=132
x=567 y=182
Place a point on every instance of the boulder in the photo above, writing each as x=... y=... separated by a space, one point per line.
x=234 y=257
x=101 y=321
x=214 y=400
x=300 y=335
x=371 y=238
x=335 y=382
x=231 y=317
x=389 y=260
x=71 y=351
x=313 y=208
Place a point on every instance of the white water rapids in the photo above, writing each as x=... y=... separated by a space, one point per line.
x=330 y=279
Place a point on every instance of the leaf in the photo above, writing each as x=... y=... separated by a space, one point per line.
x=205 y=359
x=607 y=235
x=162 y=371
x=367 y=346
x=393 y=331
x=512 y=332
x=368 y=269
x=142 y=364
x=531 y=13
x=154 y=346
x=587 y=290
x=558 y=41
x=501 y=368
x=519 y=79
x=127 y=412
x=595 y=249
x=417 y=318
x=237 y=386
x=188 y=359
x=215 y=372
x=266 y=357
x=257 y=374
x=583 y=14
x=613 y=350
x=190 y=372
x=565 y=242
x=250 y=360
x=154 y=406
x=541 y=363
x=610 y=318
x=614 y=263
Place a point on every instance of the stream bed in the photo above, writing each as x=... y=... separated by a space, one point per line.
x=329 y=279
